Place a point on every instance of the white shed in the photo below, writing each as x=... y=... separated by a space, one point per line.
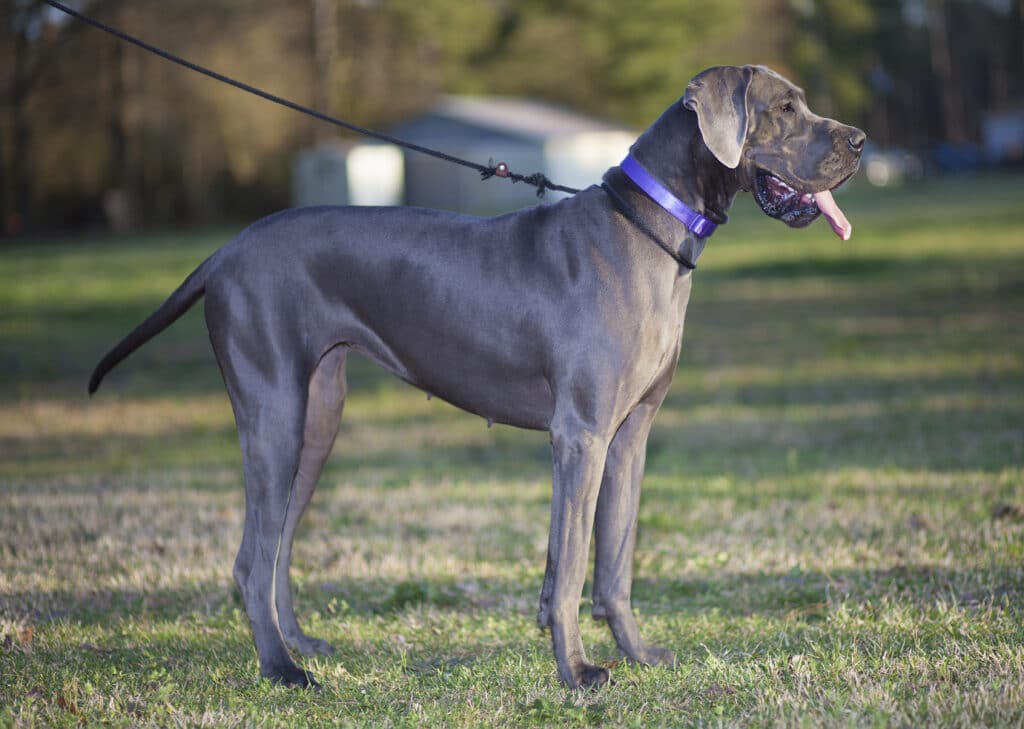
x=338 y=173
x=570 y=148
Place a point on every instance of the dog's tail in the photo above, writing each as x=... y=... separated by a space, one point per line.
x=190 y=291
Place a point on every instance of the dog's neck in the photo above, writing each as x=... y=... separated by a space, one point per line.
x=690 y=172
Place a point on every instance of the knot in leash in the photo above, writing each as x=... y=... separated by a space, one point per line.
x=537 y=179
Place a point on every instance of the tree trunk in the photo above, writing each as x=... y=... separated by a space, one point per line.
x=122 y=202
x=19 y=210
x=325 y=49
x=950 y=94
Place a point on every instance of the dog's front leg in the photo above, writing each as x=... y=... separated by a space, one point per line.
x=578 y=463
x=615 y=539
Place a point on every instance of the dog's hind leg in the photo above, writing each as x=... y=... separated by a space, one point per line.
x=268 y=396
x=324 y=404
x=270 y=425
x=615 y=536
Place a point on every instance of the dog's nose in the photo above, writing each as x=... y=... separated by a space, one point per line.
x=856 y=140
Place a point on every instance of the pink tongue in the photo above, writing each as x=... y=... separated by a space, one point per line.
x=827 y=205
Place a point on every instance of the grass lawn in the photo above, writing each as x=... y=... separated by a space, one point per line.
x=832 y=529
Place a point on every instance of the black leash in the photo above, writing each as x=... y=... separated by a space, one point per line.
x=537 y=179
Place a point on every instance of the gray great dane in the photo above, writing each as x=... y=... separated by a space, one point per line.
x=565 y=317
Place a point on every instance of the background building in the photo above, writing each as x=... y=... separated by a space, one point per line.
x=570 y=148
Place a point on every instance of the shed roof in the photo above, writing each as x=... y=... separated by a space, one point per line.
x=518 y=117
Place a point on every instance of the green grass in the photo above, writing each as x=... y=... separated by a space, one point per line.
x=832 y=529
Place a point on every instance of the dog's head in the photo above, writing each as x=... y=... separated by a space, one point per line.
x=757 y=123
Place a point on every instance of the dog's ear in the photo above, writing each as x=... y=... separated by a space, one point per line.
x=719 y=96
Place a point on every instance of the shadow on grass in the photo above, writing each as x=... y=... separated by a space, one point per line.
x=839 y=267
x=866 y=268
x=793 y=594
x=60 y=340
x=892 y=423
x=740 y=448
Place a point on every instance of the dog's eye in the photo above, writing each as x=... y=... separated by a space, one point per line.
x=788 y=107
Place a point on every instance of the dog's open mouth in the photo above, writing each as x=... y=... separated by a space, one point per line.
x=798 y=209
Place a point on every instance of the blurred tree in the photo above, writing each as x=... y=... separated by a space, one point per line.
x=92 y=130
x=913 y=72
x=596 y=55
x=832 y=52
x=27 y=50
x=390 y=56
x=325 y=51
x=118 y=135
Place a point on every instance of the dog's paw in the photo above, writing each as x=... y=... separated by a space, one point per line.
x=587 y=676
x=592 y=677
x=291 y=676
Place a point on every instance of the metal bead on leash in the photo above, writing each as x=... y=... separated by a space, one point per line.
x=501 y=170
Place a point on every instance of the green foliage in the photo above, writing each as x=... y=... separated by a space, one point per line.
x=598 y=56
x=833 y=51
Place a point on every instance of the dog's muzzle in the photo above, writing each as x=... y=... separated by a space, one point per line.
x=783 y=202
x=799 y=209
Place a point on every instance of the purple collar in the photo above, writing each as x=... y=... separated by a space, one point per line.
x=694 y=221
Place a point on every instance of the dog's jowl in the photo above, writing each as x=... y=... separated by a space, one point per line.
x=565 y=317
